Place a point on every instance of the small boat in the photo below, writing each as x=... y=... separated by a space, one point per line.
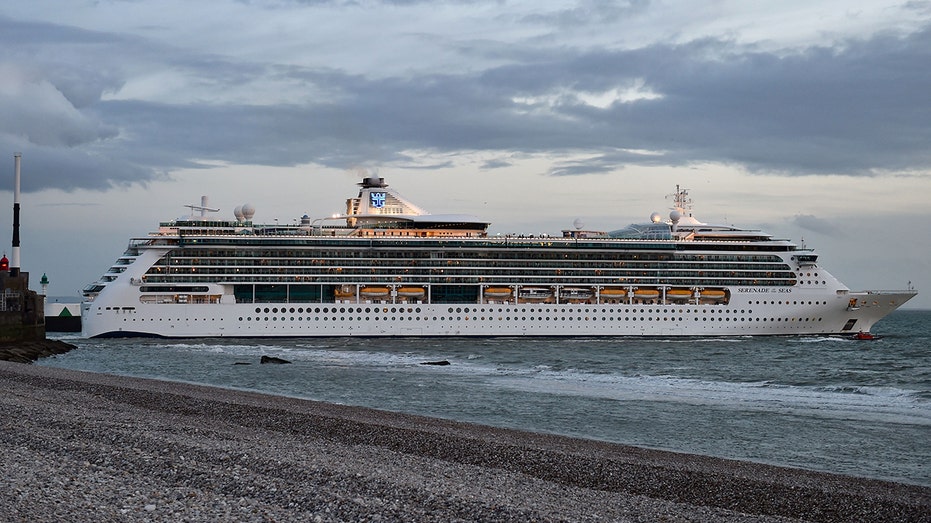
x=646 y=293
x=712 y=294
x=612 y=293
x=678 y=294
x=498 y=292
x=374 y=292
x=575 y=293
x=865 y=336
x=534 y=293
x=411 y=292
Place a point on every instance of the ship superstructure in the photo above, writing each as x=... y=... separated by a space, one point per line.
x=389 y=268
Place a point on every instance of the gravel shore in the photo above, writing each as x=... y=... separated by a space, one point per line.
x=79 y=446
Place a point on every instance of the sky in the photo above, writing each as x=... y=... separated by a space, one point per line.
x=808 y=119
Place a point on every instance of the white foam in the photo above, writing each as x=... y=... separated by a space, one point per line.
x=886 y=404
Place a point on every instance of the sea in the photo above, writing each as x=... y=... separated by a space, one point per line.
x=860 y=408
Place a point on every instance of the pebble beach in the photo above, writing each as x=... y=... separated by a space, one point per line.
x=83 y=446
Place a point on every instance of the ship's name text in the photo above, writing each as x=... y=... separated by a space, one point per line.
x=781 y=290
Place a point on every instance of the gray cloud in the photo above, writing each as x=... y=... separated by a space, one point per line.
x=858 y=108
x=812 y=223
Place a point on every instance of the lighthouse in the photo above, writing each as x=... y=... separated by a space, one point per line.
x=14 y=263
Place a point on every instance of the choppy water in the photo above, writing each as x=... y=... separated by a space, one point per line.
x=824 y=403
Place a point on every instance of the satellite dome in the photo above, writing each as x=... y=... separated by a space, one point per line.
x=656 y=217
x=675 y=216
x=578 y=223
x=248 y=211
x=237 y=212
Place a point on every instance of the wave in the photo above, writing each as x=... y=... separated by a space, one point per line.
x=887 y=404
x=877 y=403
x=824 y=339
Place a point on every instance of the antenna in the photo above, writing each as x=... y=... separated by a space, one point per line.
x=681 y=201
x=202 y=208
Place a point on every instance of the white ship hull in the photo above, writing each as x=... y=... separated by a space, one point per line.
x=742 y=317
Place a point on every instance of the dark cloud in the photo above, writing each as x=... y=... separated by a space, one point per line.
x=584 y=13
x=812 y=223
x=860 y=108
x=495 y=164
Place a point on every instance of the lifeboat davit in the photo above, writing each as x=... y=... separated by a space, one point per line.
x=346 y=291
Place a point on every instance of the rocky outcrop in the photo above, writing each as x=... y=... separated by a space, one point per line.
x=273 y=360
x=30 y=351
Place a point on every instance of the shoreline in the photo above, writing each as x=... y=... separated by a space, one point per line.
x=162 y=450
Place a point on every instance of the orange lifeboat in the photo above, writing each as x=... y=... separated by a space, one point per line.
x=713 y=294
x=498 y=293
x=374 y=292
x=646 y=294
x=678 y=294
x=411 y=292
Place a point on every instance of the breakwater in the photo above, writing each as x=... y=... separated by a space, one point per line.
x=29 y=351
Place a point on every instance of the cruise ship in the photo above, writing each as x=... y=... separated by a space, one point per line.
x=387 y=267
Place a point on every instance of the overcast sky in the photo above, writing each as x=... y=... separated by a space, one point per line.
x=811 y=119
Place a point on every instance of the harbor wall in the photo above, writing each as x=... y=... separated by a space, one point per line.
x=22 y=314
